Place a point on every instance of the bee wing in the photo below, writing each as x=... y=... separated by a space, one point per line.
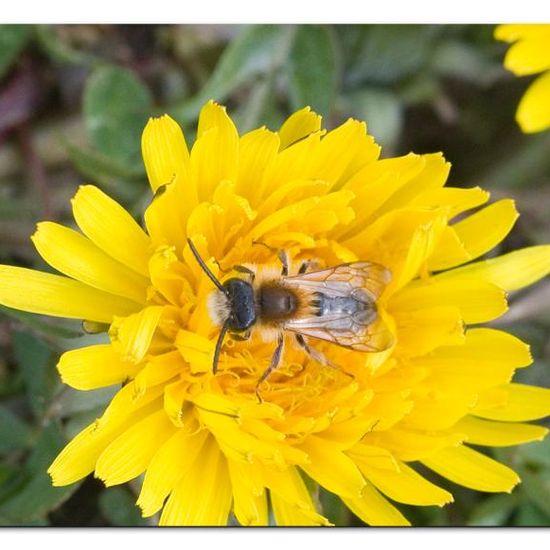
x=344 y=331
x=363 y=281
x=345 y=280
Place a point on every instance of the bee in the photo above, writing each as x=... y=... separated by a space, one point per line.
x=337 y=305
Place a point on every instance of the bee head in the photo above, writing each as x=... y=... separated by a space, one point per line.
x=240 y=304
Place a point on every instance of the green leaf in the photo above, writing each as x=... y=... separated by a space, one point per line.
x=80 y=420
x=116 y=107
x=465 y=61
x=43 y=325
x=392 y=52
x=54 y=45
x=383 y=112
x=536 y=454
x=531 y=516
x=334 y=509
x=494 y=510
x=117 y=178
x=256 y=51
x=313 y=69
x=15 y=434
x=536 y=487
x=12 y=40
x=37 y=497
x=73 y=401
x=36 y=362
x=118 y=506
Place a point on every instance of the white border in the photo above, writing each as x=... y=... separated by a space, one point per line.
x=274 y=538
x=275 y=11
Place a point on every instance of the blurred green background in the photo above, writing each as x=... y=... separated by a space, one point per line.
x=73 y=102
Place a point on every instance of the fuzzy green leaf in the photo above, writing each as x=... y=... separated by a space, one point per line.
x=313 y=69
x=116 y=107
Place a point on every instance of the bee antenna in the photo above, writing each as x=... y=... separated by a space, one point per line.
x=219 y=344
x=204 y=267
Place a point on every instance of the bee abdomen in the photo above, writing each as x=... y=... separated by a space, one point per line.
x=362 y=311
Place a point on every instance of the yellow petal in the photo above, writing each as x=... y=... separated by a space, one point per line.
x=372 y=456
x=166 y=216
x=510 y=271
x=111 y=228
x=420 y=331
x=487 y=345
x=331 y=468
x=409 y=237
x=472 y=469
x=164 y=150
x=522 y=403
x=79 y=456
x=58 y=296
x=236 y=443
x=533 y=114
x=197 y=350
x=409 y=445
x=169 y=277
x=498 y=434
x=299 y=125
x=130 y=453
x=76 y=256
x=483 y=230
x=293 y=163
x=346 y=147
x=288 y=485
x=319 y=214
x=199 y=499
x=257 y=149
x=440 y=408
x=376 y=183
x=159 y=370
x=513 y=32
x=477 y=300
x=487 y=358
x=288 y=515
x=229 y=217
x=374 y=509
x=94 y=367
x=170 y=463
x=433 y=176
x=454 y=199
x=249 y=504
x=529 y=55
x=405 y=485
x=448 y=252
x=388 y=408
x=215 y=154
x=132 y=335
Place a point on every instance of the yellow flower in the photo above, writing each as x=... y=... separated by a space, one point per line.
x=206 y=444
x=529 y=55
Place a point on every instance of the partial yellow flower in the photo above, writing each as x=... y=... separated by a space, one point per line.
x=204 y=443
x=530 y=54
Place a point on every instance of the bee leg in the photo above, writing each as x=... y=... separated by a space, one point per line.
x=318 y=356
x=275 y=362
x=218 y=348
x=220 y=267
x=243 y=269
x=281 y=254
x=306 y=264
x=240 y=336
x=283 y=257
x=239 y=268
